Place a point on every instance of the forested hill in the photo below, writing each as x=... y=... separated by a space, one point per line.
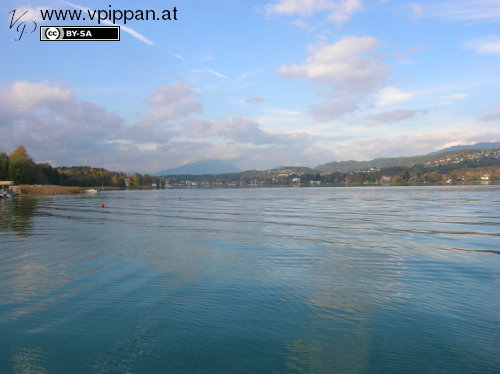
x=464 y=157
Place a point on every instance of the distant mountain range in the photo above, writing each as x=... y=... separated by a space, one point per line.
x=201 y=168
x=471 y=146
x=224 y=167
x=354 y=166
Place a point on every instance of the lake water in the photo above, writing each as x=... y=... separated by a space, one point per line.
x=288 y=280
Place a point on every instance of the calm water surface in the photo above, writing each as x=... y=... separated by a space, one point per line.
x=297 y=280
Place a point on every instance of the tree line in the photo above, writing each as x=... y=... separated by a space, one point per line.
x=20 y=168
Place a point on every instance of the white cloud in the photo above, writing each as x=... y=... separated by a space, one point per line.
x=339 y=11
x=245 y=77
x=51 y=121
x=391 y=95
x=177 y=56
x=409 y=51
x=54 y=124
x=255 y=99
x=237 y=129
x=469 y=11
x=416 y=11
x=23 y=96
x=300 y=7
x=243 y=130
x=332 y=108
x=493 y=116
x=369 y=147
x=489 y=45
x=215 y=73
x=344 y=10
x=448 y=99
x=343 y=65
x=458 y=96
x=394 y=116
x=346 y=69
x=176 y=100
x=284 y=112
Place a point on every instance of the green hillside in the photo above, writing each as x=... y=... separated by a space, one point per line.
x=467 y=157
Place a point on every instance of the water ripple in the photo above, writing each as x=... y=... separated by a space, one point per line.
x=252 y=281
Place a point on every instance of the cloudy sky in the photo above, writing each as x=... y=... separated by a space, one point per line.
x=258 y=83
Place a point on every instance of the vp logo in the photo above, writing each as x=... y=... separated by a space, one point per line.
x=22 y=27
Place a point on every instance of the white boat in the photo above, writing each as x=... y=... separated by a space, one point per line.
x=5 y=194
x=90 y=191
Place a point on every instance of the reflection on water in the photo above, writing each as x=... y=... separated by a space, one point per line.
x=28 y=360
x=15 y=214
x=311 y=280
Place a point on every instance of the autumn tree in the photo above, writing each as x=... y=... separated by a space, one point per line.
x=21 y=167
x=136 y=180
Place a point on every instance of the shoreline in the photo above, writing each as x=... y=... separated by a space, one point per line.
x=24 y=190
x=44 y=190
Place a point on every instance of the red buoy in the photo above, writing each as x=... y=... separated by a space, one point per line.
x=180 y=198
x=102 y=205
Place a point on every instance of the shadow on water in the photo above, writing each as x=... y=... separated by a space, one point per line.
x=16 y=214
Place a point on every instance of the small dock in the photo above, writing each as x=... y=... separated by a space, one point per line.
x=6 y=189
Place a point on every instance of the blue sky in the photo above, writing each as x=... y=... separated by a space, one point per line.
x=256 y=83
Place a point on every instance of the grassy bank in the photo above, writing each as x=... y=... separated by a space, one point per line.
x=45 y=190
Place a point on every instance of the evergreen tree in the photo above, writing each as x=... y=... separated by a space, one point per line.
x=4 y=166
